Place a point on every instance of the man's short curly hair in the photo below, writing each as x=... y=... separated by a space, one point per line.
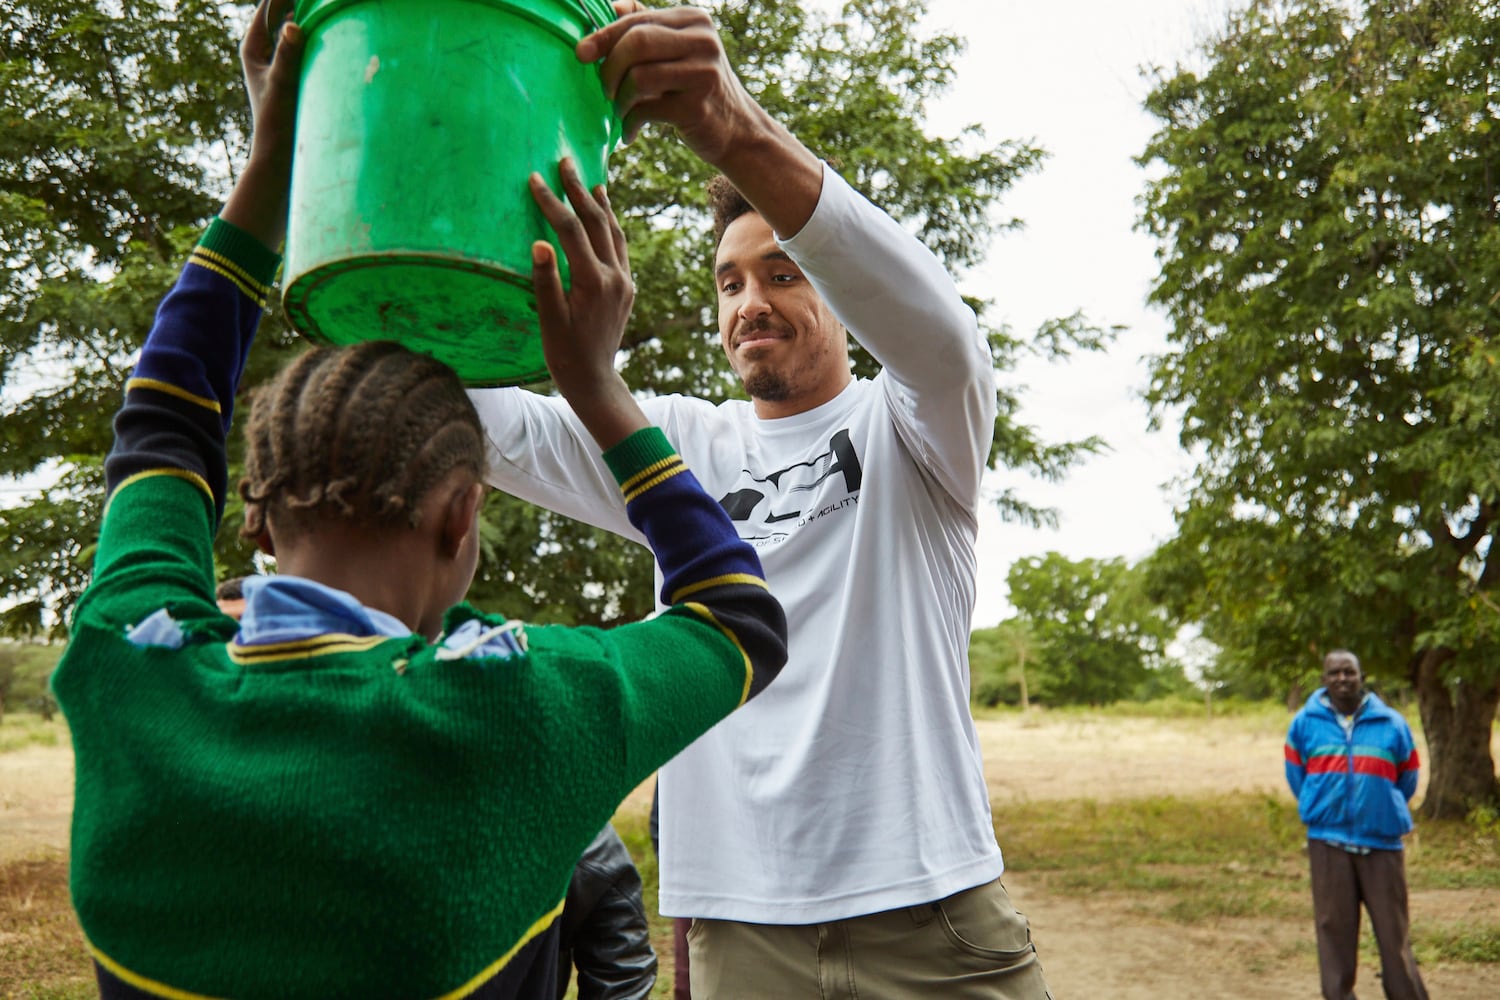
x=359 y=433
x=726 y=203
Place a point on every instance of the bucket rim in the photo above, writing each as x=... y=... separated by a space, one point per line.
x=596 y=13
x=310 y=15
x=296 y=296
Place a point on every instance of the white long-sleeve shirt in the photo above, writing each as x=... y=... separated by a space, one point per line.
x=854 y=783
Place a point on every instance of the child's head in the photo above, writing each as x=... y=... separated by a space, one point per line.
x=357 y=433
x=230 y=596
x=355 y=440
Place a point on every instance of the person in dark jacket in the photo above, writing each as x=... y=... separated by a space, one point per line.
x=1352 y=763
x=605 y=934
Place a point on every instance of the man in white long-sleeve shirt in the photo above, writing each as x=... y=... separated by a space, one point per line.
x=834 y=838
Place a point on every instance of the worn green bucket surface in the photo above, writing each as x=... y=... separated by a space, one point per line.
x=419 y=122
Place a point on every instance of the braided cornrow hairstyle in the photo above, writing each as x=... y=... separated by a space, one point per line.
x=360 y=433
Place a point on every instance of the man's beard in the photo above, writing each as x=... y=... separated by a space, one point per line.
x=769 y=386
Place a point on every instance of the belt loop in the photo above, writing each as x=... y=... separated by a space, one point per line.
x=921 y=914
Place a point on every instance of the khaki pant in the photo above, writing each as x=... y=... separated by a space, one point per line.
x=974 y=945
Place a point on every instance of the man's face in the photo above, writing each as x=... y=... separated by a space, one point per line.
x=1343 y=680
x=783 y=342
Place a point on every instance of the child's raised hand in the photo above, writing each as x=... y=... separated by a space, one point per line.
x=271 y=56
x=581 y=329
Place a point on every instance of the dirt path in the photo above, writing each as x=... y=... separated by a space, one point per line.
x=1099 y=945
x=36 y=800
x=1102 y=945
x=1041 y=757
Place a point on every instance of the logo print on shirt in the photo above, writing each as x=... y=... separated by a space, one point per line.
x=787 y=488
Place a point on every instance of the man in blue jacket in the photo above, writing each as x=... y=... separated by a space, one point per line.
x=1352 y=764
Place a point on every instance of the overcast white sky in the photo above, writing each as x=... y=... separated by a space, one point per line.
x=1066 y=75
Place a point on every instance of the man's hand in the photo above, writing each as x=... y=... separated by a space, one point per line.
x=258 y=203
x=669 y=66
x=581 y=330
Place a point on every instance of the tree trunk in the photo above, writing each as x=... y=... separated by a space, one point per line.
x=1025 y=698
x=1458 y=717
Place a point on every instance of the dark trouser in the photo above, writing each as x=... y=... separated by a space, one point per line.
x=681 y=985
x=1341 y=880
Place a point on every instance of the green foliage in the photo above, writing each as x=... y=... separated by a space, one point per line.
x=855 y=89
x=117 y=124
x=1096 y=635
x=24 y=670
x=1468 y=943
x=1186 y=860
x=1326 y=214
x=998 y=660
x=19 y=730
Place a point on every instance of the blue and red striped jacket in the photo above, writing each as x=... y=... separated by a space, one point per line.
x=1352 y=787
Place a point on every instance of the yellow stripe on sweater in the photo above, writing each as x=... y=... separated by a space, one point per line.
x=172 y=993
x=677 y=468
x=652 y=474
x=258 y=297
x=718 y=581
x=302 y=649
x=503 y=960
x=141 y=982
x=183 y=474
x=703 y=611
x=233 y=266
x=649 y=471
x=173 y=390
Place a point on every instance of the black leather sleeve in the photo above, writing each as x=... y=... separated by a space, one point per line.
x=604 y=929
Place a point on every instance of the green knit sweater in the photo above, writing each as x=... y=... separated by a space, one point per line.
x=354 y=815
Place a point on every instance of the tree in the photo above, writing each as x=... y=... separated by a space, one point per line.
x=112 y=121
x=998 y=661
x=1326 y=219
x=112 y=115
x=855 y=90
x=1098 y=638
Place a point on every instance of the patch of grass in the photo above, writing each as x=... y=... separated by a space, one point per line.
x=1187 y=860
x=1466 y=943
x=1454 y=854
x=635 y=830
x=1232 y=856
x=44 y=956
x=1258 y=714
x=23 y=729
x=1258 y=832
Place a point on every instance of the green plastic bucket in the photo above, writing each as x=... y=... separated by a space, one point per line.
x=418 y=124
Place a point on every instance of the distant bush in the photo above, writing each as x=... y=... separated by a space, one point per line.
x=19 y=730
x=24 y=669
x=993 y=674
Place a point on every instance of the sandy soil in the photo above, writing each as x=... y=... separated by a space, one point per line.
x=1100 y=945
x=36 y=801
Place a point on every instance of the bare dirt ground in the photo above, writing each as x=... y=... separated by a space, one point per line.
x=1099 y=945
x=1102 y=945
x=36 y=800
